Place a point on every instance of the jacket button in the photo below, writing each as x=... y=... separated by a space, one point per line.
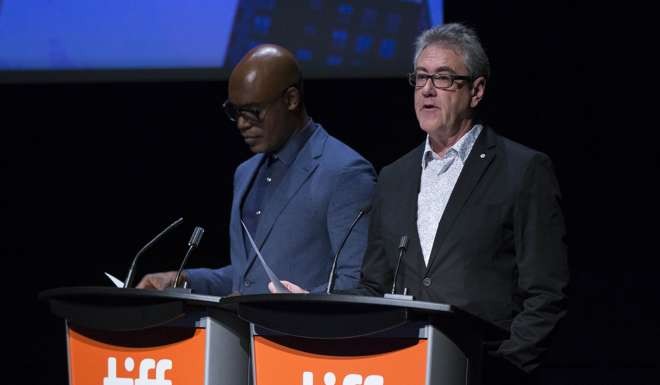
x=426 y=282
x=246 y=283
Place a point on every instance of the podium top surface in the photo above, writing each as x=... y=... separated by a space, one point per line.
x=340 y=299
x=347 y=316
x=108 y=295
x=112 y=308
x=308 y=315
x=93 y=293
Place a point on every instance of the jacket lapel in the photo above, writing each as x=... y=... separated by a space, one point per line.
x=410 y=190
x=481 y=156
x=299 y=171
x=241 y=190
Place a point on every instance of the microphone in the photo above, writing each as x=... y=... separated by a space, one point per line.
x=131 y=270
x=331 y=278
x=193 y=243
x=403 y=244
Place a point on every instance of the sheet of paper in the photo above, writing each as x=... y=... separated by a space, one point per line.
x=279 y=288
x=115 y=280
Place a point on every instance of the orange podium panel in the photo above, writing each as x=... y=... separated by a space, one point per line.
x=358 y=361
x=161 y=356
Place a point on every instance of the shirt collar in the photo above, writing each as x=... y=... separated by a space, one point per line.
x=295 y=143
x=462 y=147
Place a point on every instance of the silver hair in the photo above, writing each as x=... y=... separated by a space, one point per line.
x=460 y=38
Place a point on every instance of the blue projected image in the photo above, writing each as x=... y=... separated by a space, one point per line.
x=331 y=38
x=88 y=34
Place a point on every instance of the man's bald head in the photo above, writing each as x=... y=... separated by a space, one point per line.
x=263 y=74
x=265 y=95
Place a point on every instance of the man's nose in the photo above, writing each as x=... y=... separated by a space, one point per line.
x=242 y=123
x=429 y=88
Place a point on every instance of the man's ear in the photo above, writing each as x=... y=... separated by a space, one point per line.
x=292 y=98
x=478 y=90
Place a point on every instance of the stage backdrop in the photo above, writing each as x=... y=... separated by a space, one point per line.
x=91 y=171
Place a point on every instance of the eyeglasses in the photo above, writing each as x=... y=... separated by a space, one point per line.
x=254 y=114
x=441 y=81
x=251 y=114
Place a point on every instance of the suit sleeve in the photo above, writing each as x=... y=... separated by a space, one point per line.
x=542 y=268
x=352 y=192
x=211 y=281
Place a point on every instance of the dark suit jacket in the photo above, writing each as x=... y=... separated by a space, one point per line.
x=499 y=252
x=303 y=224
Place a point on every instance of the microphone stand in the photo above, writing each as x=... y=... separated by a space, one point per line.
x=331 y=278
x=193 y=243
x=131 y=270
x=403 y=244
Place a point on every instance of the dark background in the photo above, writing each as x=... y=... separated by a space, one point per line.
x=91 y=171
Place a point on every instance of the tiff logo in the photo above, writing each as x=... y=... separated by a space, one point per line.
x=351 y=379
x=143 y=378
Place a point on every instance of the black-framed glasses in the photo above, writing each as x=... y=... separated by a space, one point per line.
x=253 y=113
x=439 y=80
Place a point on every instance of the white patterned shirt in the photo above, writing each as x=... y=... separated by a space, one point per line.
x=439 y=175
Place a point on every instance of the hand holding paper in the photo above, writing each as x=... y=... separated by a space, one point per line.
x=291 y=287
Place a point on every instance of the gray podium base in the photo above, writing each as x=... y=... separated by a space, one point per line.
x=227 y=349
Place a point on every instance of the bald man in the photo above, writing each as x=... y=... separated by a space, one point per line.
x=297 y=196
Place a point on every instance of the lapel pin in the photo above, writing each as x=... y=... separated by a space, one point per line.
x=482 y=156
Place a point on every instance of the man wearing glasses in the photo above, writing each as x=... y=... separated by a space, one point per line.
x=297 y=197
x=481 y=213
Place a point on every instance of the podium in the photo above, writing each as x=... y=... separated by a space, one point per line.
x=353 y=340
x=143 y=337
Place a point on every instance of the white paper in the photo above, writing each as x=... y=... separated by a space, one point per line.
x=279 y=287
x=115 y=280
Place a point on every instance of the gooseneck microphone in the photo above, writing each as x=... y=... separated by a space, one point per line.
x=403 y=244
x=193 y=243
x=331 y=278
x=131 y=270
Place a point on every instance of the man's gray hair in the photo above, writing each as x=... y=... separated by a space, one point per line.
x=460 y=38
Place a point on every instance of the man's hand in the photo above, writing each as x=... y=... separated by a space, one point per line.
x=291 y=287
x=160 y=281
